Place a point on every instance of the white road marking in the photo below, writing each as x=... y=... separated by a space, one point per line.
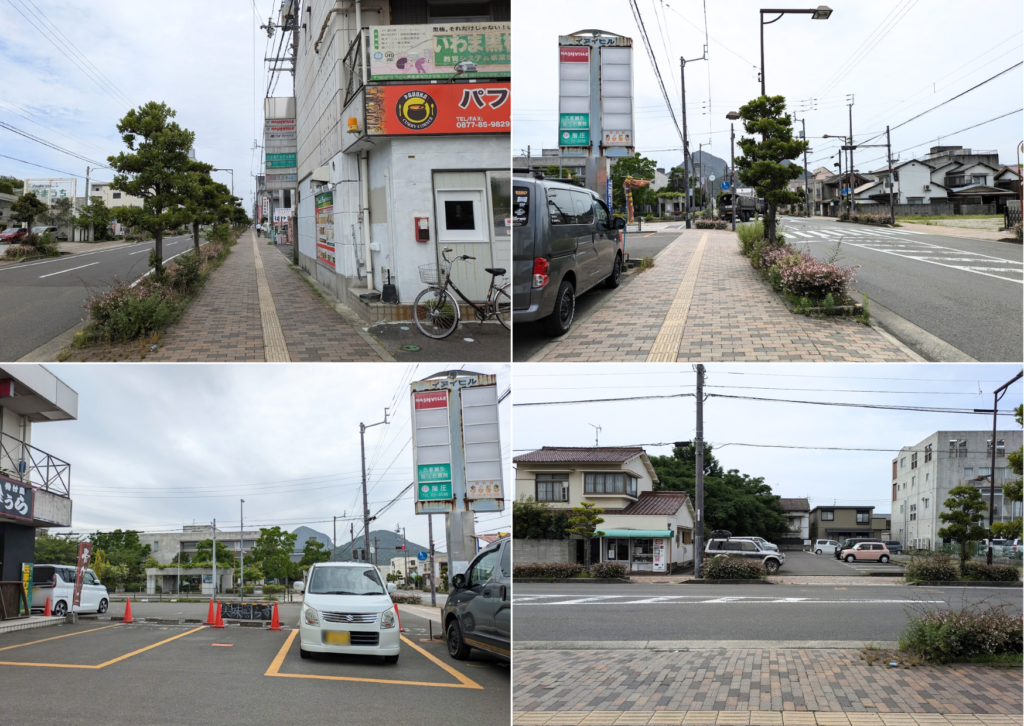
x=917 y=250
x=71 y=270
x=138 y=253
x=734 y=600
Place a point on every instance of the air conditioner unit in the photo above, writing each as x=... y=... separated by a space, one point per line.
x=927 y=187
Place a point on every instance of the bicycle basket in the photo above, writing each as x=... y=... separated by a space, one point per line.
x=429 y=274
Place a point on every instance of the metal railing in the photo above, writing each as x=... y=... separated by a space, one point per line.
x=355 y=60
x=26 y=463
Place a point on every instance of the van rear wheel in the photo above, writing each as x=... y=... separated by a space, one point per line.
x=612 y=281
x=457 y=647
x=60 y=609
x=560 y=320
x=103 y=606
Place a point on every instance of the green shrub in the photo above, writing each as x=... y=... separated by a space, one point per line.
x=608 y=569
x=1018 y=231
x=748 y=234
x=951 y=636
x=732 y=568
x=990 y=573
x=125 y=313
x=16 y=252
x=403 y=599
x=547 y=569
x=931 y=569
x=185 y=273
x=710 y=224
x=274 y=589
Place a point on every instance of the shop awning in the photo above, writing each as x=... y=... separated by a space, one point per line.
x=637 y=532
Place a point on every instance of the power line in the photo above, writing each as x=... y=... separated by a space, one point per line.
x=44 y=142
x=654 y=63
x=926 y=409
x=40 y=166
x=603 y=400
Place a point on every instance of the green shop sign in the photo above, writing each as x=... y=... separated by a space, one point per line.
x=574 y=138
x=430 y=473
x=275 y=161
x=574 y=121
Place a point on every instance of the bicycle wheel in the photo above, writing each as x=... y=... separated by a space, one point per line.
x=436 y=313
x=501 y=306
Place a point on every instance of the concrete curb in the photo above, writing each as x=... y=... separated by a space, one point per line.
x=904 y=334
x=969 y=583
x=726 y=582
x=49 y=350
x=574 y=580
x=698 y=644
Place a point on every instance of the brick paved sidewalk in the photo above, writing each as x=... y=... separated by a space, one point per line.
x=731 y=316
x=755 y=686
x=224 y=323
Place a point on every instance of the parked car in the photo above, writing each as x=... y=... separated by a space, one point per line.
x=729 y=546
x=44 y=230
x=57 y=583
x=822 y=545
x=564 y=242
x=876 y=551
x=346 y=608
x=762 y=541
x=851 y=541
x=13 y=235
x=478 y=613
x=895 y=546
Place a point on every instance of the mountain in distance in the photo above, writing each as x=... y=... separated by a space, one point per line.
x=306 y=533
x=387 y=547
x=711 y=165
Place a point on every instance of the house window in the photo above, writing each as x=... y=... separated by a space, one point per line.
x=863 y=517
x=609 y=483
x=928 y=453
x=927 y=476
x=116 y=195
x=827 y=515
x=961 y=450
x=901 y=509
x=913 y=482
x=552 y=487
x=913 y=461
x=156 y=546
x=915 y=200
x=984 y=471
x=968 y=472
x=617 y=550
x=1000 y=448
x=903 y=463
x=925 y=501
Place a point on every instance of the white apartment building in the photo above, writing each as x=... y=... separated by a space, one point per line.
x=403 y=137
x=112 y=198
x=164 y=546
x=923 y=474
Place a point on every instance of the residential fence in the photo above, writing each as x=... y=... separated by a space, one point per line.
x=922 y=210
x=1011 y=215
x=533 y=551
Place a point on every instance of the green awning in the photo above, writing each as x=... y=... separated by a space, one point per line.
x=664 y=533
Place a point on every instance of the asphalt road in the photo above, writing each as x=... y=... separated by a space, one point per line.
x=825 y=564
x=223 y=677
x=40 y=300
x=966 y=292
x=529 y=338
x=596 y=613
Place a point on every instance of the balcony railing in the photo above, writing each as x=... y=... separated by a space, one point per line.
x=26 y=463
x=355 y=61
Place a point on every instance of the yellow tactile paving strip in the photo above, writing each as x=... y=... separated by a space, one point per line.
x=666 y=345
x=273 y=337
x=756 y=718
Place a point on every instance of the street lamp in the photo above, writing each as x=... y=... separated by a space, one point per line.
x=232 y=173
x=822 y=12
x=732 y=116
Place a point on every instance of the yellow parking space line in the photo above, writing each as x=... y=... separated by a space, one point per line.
x=49 y=665
x=58 y=637
x=275 y=670
x=150 y=647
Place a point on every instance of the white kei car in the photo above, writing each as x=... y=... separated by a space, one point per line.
x=346 y=608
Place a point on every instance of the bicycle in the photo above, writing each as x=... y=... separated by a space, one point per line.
x=437 y=312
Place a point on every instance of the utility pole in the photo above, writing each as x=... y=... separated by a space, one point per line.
x=352 y=541
x=405 y=555
x=686 y=181
x=892 y=205
x=376 y=549
x=88 y=238
x=698 y=538
x=732 y=116
x=430 y=537
x=807 y=191
x=852 y=182
x=366 y=506
x=840 y=182
x=996 y=395
x=215 y=557
x=241 y=551
x=334 y=540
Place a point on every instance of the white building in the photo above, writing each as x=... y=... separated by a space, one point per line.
x=923 y=474
x=798 y=513
x=400 y=152
x=164 y=546
x=112 y=198
x=645 y=530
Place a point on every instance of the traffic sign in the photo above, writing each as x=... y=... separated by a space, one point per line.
x=711 y=177
x=725 y=185
x=421 y=556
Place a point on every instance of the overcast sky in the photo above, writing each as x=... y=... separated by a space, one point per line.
x=935 y=50
x=156 y=446
x=846 y=477
x=197 y=57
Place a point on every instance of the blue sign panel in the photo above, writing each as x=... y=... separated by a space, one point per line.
x=421 y=556
x=725 y=185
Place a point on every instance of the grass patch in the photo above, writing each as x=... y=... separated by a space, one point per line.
x=646 y=263
x=1003 y=659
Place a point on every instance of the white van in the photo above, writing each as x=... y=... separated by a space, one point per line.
x=57 y=582
x=824 y=545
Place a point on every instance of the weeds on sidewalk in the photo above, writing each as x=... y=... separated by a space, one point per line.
x=646 y=263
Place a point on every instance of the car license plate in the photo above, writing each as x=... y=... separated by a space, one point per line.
x=337 y=637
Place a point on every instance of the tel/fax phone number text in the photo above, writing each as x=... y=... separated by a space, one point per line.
x=473 y=123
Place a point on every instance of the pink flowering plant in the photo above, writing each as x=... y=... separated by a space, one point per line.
x=951 y=636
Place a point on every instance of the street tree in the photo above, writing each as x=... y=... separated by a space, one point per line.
x=155 y=169
x=761 y=165
x=96 y=217
x=11 y=184
x=205 y=201
x=733 y=501
x=56 y=549
x=536 y=520
x=123 y=550
x=61 y=213
x=312 y=552
x=637 y=167
x=583 y=523
x=204 y=554
x=563 y=173
x=273 y=550
x=964 y=517
x=1012 y=490
x=27 y=208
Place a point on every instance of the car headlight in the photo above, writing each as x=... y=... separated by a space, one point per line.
x=311 y=617
x=388 y=619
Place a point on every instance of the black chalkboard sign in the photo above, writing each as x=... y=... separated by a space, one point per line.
x=247 y=610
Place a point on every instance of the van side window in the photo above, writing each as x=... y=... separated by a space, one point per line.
x=481 y=570
x=520 y=206
x=560 y=206
x=584 y=207
x=506 y=560
x=601 y=212
x=88 y=579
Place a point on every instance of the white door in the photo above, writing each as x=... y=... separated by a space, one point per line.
x=463 y=225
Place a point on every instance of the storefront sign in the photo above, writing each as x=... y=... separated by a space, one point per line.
x=27 y=579
x=574 y=138
x=481 y=443
x=279 y=124
x=281 y=177
x=84 y=557
x=17 y=500
x=618 y=138
x=281 y=160
x=580 y=54
x=432 y=52
x=281 y=216
x=325 y=230
x=574 y=121
x=48 y=191
x=480 y=108
x=432 y=453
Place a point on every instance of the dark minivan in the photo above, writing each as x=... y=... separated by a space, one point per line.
x=478 y=613
x=564 y=242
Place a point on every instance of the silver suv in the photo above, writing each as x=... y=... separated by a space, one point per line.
x=747 y=548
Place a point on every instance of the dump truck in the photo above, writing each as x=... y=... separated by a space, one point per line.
x=746 y=206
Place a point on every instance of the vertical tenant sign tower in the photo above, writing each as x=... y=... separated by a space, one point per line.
x=457 y=455
x=595 y=102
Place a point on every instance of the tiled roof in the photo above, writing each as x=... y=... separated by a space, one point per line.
x=570 y=454
x=795 y=505
x=663 y=503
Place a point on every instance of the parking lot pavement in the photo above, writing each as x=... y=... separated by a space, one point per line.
x=807 y=563
x=113 y=673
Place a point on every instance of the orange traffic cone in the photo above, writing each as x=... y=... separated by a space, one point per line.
x=211 y=618
x=128 y=612
x=47 y=613
x=219 y=623
x=275 y=623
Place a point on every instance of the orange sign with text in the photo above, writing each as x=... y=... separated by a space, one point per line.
x=432 y=109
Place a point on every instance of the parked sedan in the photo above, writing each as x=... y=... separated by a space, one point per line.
x=870 y=551
x=13 y=235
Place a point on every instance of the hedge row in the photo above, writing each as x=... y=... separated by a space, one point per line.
x=560 y=570
x=732 y=568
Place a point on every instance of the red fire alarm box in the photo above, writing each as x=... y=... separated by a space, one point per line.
x=422 y=229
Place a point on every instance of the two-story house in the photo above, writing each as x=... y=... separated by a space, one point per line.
x=838 y=523
x=648 y=531
x=797 y=512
